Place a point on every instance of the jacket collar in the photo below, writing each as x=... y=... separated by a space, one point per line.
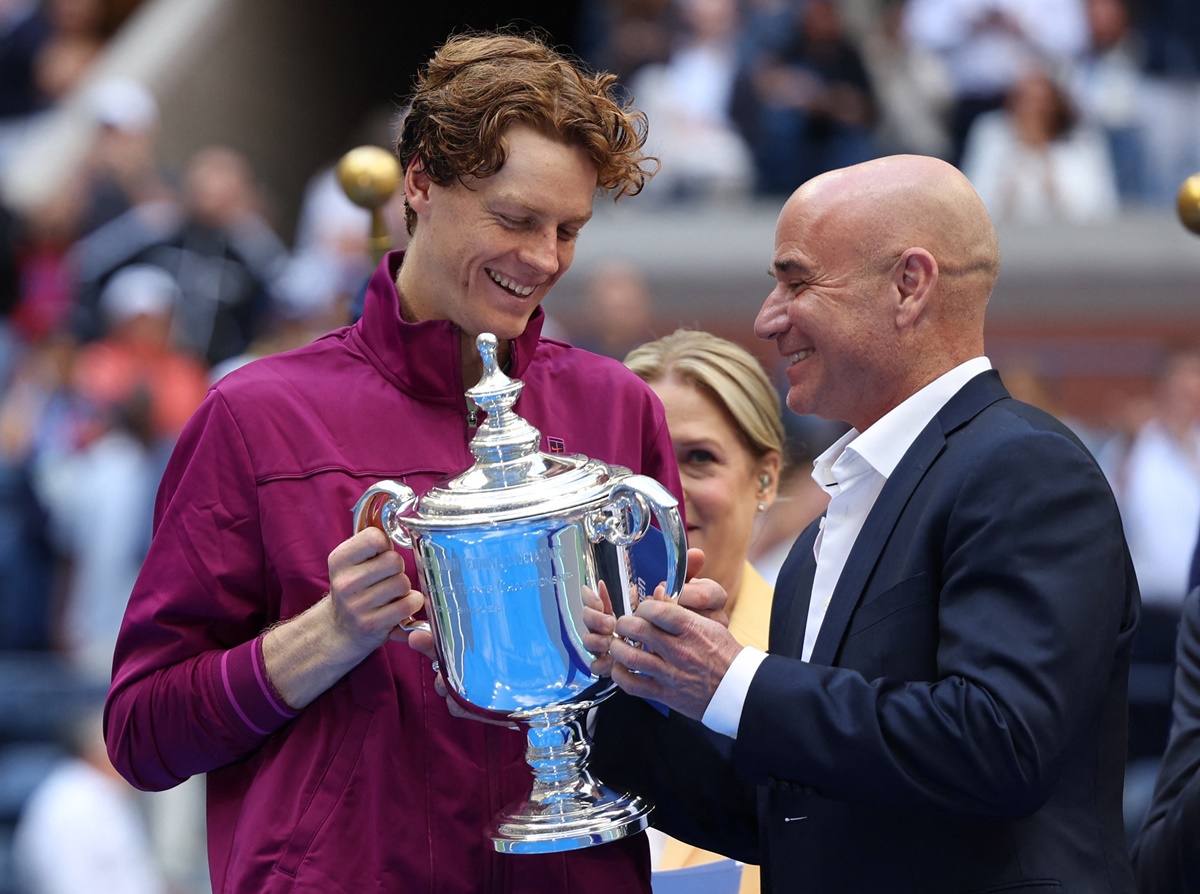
x=417 y=357
x=979 y=393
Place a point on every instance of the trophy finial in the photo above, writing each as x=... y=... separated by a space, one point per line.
x=504 y=436
x=1188 y=203
x=486 y=344
x=369 y=175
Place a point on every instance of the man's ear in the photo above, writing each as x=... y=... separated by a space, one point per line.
x=914 y=277
x=417 y=185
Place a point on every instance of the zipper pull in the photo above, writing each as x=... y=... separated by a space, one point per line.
x=472 y=414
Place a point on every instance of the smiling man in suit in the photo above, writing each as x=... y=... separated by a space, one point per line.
x=943 y=704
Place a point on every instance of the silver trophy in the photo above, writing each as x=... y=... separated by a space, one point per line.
x=503 y=552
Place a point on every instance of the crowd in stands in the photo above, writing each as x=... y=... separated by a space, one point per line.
x=1058 y=109
x=137 y=285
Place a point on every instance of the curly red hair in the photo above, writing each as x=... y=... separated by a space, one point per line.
x=478 y=84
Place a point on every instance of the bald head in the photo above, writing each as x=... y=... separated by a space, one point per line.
x=899 y=202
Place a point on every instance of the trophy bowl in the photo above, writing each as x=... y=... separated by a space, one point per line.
x=504 y=553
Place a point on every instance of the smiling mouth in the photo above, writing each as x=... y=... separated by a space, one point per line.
x=509 y=286
x=800 y=355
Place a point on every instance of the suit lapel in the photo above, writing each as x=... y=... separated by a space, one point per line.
x=970 y=400
x=793 y=591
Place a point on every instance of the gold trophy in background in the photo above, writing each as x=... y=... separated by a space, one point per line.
x=369 y=175
x=1188 y=203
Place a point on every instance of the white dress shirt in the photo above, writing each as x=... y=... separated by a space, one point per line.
x=853 y=472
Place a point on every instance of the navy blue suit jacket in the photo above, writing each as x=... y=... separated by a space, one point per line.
x=961 y=726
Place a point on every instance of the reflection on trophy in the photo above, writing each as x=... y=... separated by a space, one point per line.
x=504 y=552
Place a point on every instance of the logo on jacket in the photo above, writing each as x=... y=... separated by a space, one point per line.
x=557 y=445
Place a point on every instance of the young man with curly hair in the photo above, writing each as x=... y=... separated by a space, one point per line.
x=262 y=646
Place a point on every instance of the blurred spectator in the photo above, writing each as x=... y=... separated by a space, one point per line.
x=766 y=27
x=40 y=415
x=617 y=310
x=9 y=287
x=989 y=44
x=1107 y=86
x=100 y=507
x=26 y=561
x=1035 y=161
x=623 y=35
x=46 y=287
x=139 y=393
x=219 y=248
x=1157 y=484
x=322 y=283
x=331 y=260
x=23 y=31
x=1171 y=97
x=133 y=371
x=912 y=86
x=82 y=831
x=688 y=100
x=861 y=17
x=78 y=31
x=24 y=28
x=48 y=48
x=808 y=105
x=122 y=168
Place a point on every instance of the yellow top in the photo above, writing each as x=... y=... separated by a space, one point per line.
x=749 y=623
x=750 y=620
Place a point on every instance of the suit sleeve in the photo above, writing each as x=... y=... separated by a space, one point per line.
x=189 y=691
x=685 y=769
x=1166 y=854
x=1010 y=556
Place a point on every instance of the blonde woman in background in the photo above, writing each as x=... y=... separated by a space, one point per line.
x=726 y=426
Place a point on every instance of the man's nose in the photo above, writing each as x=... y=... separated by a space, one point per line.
x=541 y=251
x=771 y=321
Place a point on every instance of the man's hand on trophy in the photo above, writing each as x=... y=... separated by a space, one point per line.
x=601 y=624
x=370 y=593
x=682 y=656
x=706 y=597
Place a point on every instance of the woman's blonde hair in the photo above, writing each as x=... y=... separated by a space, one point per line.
x=727 y=372
x=478 y=84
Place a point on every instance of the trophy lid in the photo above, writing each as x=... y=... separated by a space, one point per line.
x=511 y=478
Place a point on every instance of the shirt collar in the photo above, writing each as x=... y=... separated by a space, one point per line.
x=884 y=444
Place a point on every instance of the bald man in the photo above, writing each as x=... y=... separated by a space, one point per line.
x=943 y=704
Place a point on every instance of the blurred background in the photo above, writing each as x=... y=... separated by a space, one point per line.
x=169 y=210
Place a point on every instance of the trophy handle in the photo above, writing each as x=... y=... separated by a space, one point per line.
x=388 y=500
x=399 y=498
x=644 y=490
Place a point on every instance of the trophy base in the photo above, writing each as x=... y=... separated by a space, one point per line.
x=607 y=816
